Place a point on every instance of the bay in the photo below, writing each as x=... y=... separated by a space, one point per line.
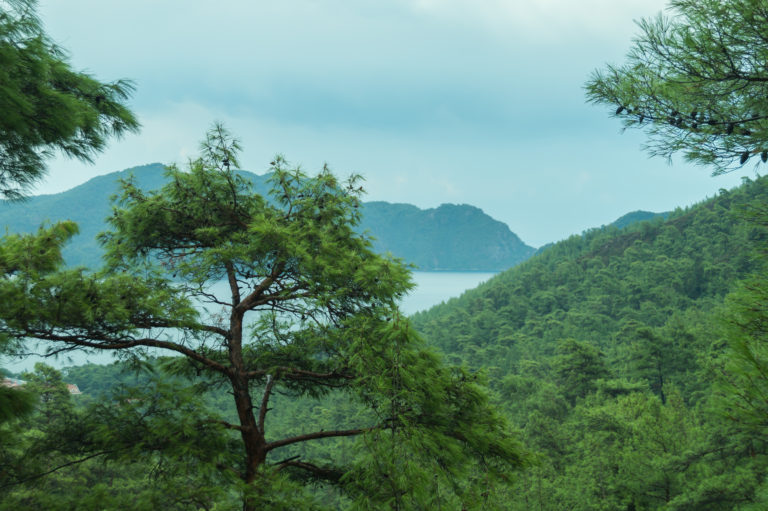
x=435 y=287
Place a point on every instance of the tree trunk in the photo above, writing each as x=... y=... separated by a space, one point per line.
x=253 y=438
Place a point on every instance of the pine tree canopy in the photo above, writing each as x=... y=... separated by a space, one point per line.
x=270 y=296
x=696 y=81
x=47 y=106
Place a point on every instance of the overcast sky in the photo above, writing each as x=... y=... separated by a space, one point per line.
x=433 y=101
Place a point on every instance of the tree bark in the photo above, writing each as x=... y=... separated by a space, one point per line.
x=253 y=437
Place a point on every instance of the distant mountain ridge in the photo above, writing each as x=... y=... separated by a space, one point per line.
x=447 y=238
x=443 y=238
x=638 y=216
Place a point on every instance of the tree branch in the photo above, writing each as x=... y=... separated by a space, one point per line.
x=329 y=474
x=232 y=278
x=65 y=465
x=199 y=327
x=265 y=401
x=224 y=423
x=248 y=302
x=273 y=298
x=316 y=435
x=111 y=344
x=297 y=374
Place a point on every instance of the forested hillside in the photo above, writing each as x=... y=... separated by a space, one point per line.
x=450 y=237
x=605 y=349
x=636 y=216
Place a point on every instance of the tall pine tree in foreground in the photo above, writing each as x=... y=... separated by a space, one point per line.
x=294 y=302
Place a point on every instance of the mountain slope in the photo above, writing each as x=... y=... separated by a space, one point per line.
x=450 y=237
x=590 y=286
x=444 y=238
x=605 y=349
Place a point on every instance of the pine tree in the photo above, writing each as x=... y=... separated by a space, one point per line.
x=696 y=82
x=46 y=105
x=296 y=303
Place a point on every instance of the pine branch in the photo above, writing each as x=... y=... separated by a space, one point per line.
x=328 y=474
x=264 y=402
x=316 y=435
x=297 y=374
x=105 y=343
x=224 y=423
x=65 y=465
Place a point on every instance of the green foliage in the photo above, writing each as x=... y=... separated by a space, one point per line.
x=46 y=105
x=264 y=297
x=130 y=449
x=695 y=82
x=445 y=445
x=604 y=287
x=14 y=403
x=743 y=370
x=578 y=366
x=636 y=216
x=603 y=351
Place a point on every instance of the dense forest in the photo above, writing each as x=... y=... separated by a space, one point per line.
x=607 y=351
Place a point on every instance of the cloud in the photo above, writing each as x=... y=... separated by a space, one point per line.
x=417 y=66
x=167 y=136
x=547 y=21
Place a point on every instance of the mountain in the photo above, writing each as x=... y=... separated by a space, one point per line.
x=450 y=237
x=608 y=352
x=637 y=216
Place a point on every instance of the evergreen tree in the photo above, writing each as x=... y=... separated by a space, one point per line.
x=295 y=303
x=696 y=82
x=14 y=402
x=47 y=106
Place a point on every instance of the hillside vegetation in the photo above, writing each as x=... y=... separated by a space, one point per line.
x=607 y=351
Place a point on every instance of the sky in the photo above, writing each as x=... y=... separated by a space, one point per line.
x=433 y=101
